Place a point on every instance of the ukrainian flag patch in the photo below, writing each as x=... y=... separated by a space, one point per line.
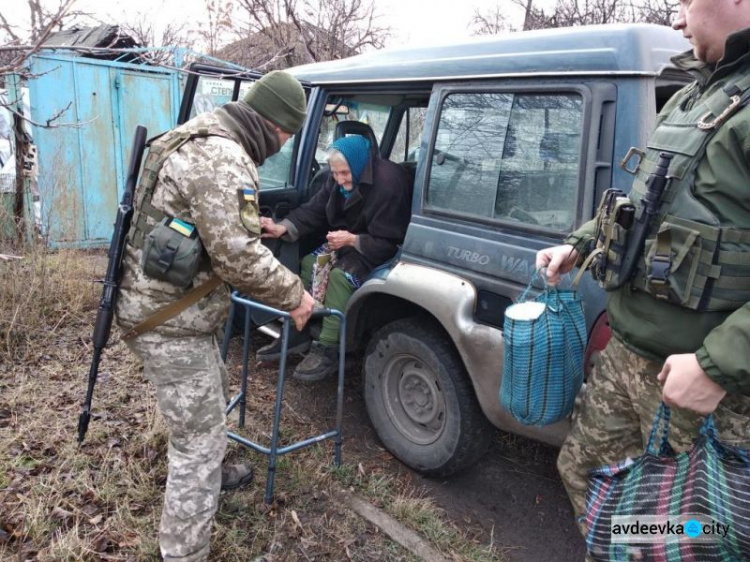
x=182 y=227
x=248 y=194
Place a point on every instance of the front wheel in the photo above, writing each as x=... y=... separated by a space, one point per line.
x=420 y=399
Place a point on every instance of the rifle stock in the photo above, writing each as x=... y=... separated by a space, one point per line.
x=105 y=313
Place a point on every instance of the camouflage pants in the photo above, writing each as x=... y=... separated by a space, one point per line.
x=190 y=381
x=614 y=419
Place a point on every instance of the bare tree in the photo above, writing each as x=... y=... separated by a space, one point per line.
x=495 y=20
x=661 y=12
x=146 y=34
x=217 y=26
x=568 y=13
x=284 y=33
x=17 y=46
x=589 y=12
x=490 y=22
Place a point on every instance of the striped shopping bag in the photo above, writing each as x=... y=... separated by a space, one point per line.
x=544 y=341
x=666 y=506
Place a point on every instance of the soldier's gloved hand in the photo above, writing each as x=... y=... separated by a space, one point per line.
x=558 y=260
x=686 y=385
x=302 y=313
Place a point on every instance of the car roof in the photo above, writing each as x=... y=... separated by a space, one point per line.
x=596 y=49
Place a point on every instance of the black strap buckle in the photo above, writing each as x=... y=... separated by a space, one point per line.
x=166 y=258
x=658 y=275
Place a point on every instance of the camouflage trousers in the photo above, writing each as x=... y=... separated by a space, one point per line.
x=191 y=389
x=614 y=418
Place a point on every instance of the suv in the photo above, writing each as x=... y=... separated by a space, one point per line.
x=511 y=141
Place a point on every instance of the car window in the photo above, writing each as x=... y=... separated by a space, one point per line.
x=376 y=116
x=510 y=157
x=211 y=93
x=406 y=147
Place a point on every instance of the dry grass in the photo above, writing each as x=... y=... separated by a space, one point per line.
x=102 y=501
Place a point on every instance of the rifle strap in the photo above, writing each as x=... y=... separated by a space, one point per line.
x=171 y=310
x=585 y=265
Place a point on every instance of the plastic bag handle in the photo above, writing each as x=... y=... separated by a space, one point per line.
x=660 y=427
x=547 y=289
x=661 y=423
x=537 y=275
x=708 y=428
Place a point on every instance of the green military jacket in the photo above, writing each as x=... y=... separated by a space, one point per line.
x=655 y=328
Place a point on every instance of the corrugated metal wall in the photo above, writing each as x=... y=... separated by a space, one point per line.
x=83 y=158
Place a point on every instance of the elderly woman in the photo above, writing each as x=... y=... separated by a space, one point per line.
x=364 y=207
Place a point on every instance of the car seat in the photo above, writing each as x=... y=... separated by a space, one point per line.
x=342 y=129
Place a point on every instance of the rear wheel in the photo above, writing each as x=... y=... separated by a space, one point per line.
x=420 y=399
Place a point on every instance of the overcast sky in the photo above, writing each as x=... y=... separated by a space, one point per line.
x=414 y=22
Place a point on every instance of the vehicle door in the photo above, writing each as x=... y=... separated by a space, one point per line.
x=510 y=167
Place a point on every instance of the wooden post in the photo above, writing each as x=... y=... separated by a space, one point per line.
x=22 y=147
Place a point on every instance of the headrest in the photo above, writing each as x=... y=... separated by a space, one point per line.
x=344 y=128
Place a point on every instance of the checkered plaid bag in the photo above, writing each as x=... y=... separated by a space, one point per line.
x=689 y=497
x=543 y=357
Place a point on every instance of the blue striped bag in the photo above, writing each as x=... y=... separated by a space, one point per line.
x=543 y=356
x=698 y=501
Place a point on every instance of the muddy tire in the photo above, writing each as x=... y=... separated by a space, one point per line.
x=421 y=401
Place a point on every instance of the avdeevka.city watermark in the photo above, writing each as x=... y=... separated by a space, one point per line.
x=632 y=529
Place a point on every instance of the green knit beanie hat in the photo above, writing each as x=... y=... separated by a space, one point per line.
x=279 y=97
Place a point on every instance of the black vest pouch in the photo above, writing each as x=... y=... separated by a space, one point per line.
x=172 y=252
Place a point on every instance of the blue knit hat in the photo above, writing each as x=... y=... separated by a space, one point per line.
x=356 y=150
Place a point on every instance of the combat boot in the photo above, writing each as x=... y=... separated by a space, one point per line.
x=236 y=475
x=321 y=361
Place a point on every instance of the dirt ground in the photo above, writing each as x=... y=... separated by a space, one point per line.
x=513 y=498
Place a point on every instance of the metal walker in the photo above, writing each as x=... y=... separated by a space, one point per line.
x=273 y=451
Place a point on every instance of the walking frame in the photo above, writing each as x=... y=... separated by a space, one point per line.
x=274 y=450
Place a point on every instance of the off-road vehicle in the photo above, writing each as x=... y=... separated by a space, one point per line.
x=511 y=141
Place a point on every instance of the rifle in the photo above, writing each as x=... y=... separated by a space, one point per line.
x=107 y=303
x=649 y=207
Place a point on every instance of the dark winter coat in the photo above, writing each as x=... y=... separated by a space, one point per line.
x=377 y=211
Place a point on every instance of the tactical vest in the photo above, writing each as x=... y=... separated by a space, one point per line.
x=689 y=258
x=146 y=215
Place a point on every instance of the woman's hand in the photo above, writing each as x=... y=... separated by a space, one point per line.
x=271 y=229
x=337 y=239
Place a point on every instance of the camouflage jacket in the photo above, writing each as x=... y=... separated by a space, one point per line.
x=199 y=184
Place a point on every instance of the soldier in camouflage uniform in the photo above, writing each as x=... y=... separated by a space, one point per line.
x=688 y=347
x=211 y=182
